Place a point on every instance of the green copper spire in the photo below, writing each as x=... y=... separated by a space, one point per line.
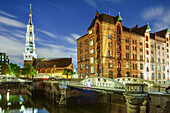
x=168 y=31
x=147 y=27
x=119 y=17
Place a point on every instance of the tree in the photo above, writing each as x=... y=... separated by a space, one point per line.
x=28 y=70
x=15 y=69
x=4 y=68
x=68 y=72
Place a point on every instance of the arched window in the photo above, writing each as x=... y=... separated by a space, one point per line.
x=147 y=68
x=148 y=60
x=146 y=38
x=141 y=75
x=81 y=75
x=97 y=28
x=127 y=65
x=164 y=76
x=111 y=74
x=87 y=75
x=118 y=30
x=110 y=64
x=127 y=74
x=147 y=45
x=86 y=65
x=152 y=76
x=159 y=76
x=147 y=52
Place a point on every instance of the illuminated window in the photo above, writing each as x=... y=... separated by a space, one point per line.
x=110 y=64
x=92 y=43
x=86 y=65
x=92 y=60
x=81 y=66
x=91 y=51
x=81 y=75
x=159 y=68
x=110 y=52
x=92 y=69
x=87 y=75
x=127 y=65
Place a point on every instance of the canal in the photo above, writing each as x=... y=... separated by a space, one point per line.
x=15 y=100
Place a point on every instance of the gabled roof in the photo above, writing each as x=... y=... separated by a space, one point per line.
x=140 y=30
x=104 y=18
x=50 y=62
x=162 y=33
x=136 y=30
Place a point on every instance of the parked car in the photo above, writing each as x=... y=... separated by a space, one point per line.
x=167 y=89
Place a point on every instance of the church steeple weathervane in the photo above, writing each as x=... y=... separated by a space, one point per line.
x=30 y=54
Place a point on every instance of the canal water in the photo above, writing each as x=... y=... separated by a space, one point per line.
x=17 y=101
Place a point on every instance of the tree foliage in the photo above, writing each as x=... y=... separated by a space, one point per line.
x=4 y=68
x=68 y=72
x=15 y=69
x=28 y=70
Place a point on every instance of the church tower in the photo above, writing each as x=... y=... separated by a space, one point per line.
x=30 y=54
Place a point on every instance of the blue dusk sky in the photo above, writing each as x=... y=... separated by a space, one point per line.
x=58 y=23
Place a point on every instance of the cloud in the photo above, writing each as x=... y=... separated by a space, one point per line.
x=11 y=22
x=75 y=36
x=152 y=12
x=93 y=3
x=7 y=14
x=158 y=16
x=70 y=40
x=47 y=33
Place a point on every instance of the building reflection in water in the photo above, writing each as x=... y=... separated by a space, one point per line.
x=16 y=101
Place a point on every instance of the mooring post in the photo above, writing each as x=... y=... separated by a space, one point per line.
x=137 y=98
x=63 y=89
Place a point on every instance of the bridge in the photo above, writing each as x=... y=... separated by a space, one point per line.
x=13 y=80
x=102 y=84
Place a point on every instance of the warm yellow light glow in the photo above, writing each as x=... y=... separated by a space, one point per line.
x=7 y=96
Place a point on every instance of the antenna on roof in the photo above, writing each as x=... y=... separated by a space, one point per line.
x=109 y=11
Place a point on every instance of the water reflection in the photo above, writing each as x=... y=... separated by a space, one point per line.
x=17 y=101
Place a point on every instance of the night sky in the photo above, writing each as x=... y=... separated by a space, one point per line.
x=58 y=23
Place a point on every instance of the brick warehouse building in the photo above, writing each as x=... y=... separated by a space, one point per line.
x=111 y=50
